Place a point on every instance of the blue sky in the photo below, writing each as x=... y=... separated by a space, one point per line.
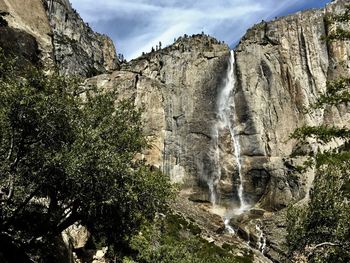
x=137 y=25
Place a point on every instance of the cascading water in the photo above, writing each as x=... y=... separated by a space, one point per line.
x=226 y=119
x=262 y=239
x=228 y=227
x=226 y=105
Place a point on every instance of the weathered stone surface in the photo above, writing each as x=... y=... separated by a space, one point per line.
x=274 y=228
x=281 y=67
x=76 y=236
x=20 y=44
x=77 y=49
x=62 y=36
x=30 y=17
x=177 y=87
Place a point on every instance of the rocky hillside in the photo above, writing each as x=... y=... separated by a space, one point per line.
x=77 y=49
x=62 y=38
x=280 y=67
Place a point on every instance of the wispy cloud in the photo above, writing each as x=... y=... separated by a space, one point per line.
x=137 y=25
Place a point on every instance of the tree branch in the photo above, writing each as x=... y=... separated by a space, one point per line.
x=325 y=244
x=73 y=218
x=11 y=145
x=8 y=196
x=19 y=208
x=11 y=187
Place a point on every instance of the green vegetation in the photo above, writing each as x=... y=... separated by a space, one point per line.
x=337 y=33
x=173 y=239
x=67 y=156
x=320 y=232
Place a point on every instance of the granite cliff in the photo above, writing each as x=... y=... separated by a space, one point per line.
x=280 y=67
x=62 y=39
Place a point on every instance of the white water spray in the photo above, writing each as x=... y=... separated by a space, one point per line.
x=228 y=227
x=226 y=104
x=262 y=239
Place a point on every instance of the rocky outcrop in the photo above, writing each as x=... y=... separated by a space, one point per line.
x=30 y=17
x=64 y=40
x=77 y=49
x=20 y=44
x=281 y=67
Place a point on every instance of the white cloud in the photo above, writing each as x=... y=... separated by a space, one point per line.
x=137 y=25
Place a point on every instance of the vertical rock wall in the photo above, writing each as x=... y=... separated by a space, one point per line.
x=30 y=17
x=282 y=66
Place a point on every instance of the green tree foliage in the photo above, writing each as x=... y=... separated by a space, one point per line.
x=320 y=232
x=67 y=155
x=173 y=239
x=338 y=33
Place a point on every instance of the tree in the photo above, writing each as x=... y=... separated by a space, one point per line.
x=121 y=57
x=320 y=232
x=67 y=155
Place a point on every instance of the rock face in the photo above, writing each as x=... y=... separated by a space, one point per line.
x=33 y=22
x=177 y=87
x=23 y=45
x=64 y=40
x=281 y=67
x=77 y=49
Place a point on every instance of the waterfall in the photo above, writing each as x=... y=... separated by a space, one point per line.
x=212 y=193
x=229 y=228
x=262 y=239
x=226 y=105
